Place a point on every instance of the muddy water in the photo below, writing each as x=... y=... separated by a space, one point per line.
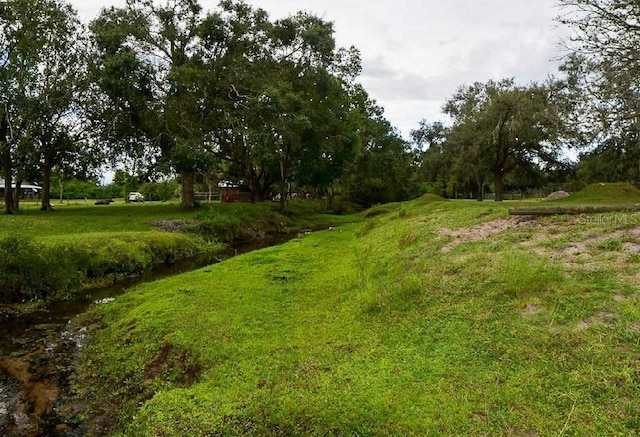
x=36 y=360
x=37 y=353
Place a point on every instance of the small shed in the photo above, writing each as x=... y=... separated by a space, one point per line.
x=229 y=191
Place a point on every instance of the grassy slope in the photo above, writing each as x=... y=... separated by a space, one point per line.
x=390 y=327
x=617 y=193
x=106 y=241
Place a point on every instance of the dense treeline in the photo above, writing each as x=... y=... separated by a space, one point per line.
x=163 y=90
x=168 y=91
x=516 y=138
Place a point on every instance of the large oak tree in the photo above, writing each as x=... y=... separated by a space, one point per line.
x=40 y=78
x=499 y=127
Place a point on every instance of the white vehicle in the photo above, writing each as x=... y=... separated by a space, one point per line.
x=134 y=196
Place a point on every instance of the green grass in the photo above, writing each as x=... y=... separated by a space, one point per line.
x=81 y=218
x=618 y=193
x=101 y=243
x=386 y=327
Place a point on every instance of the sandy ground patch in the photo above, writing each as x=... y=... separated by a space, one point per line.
x=483 y=230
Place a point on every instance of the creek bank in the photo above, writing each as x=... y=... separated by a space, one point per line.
x=38 y=349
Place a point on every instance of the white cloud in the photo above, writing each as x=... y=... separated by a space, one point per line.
x=416 y=53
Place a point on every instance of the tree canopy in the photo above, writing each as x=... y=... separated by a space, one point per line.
x=159 y=89
x=498 y=128
x=602 y=69
x=229 y=85
x=40 y=80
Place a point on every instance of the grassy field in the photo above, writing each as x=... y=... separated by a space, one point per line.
x=428 y=318
x=45 y=254
x=85 y=219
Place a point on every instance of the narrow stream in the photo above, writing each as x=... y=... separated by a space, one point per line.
x=37 y=353
x=37 y=350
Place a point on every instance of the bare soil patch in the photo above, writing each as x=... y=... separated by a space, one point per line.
x=532 y=309
x=483 y=230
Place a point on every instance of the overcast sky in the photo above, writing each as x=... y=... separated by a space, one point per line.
x=416 y=53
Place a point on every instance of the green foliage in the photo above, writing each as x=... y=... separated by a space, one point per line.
x=31 y=270
x=382 y=209
x=90 y=245
x=224 y=228
x=613 y=161
x=75 y=189
x=430 y=198
x=602 y=83
x=275 y=94
x=529 y=276
x=383 y=172
x=164 y=190
x=239 y=222
x=499 y=129
x=41 y=79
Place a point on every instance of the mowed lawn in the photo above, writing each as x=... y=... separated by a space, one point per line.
x=82 y=218
x=429 y=318
x=86 y=218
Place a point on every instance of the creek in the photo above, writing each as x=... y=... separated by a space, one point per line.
x=38 y=350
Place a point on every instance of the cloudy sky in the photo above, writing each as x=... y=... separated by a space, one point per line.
x=416 y=53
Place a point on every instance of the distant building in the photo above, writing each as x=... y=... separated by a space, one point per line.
x=28 y=190
x=232 y=192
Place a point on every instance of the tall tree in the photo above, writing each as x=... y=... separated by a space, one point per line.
x=143 y=54
x=603 y=60
x=290 y=118
x=308 y=103
x=499 y=126
x=384 y=169
x=435 y=160
x=39 y=82
x=603 y=72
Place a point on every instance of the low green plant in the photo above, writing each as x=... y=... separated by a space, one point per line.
x=31 y=271
x=47 y=254
x=618 y=193
x=382 y=209
x=452 y=320
x=221 y=228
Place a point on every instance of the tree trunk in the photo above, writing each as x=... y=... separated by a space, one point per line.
x=6 y=164
x=45 y=204
x=6 y=169
x=480 y=192
x=16 y=195
x=283 y=187
x=255 y=189
x=499 y=187
x=283 y=195
x=188 y=199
